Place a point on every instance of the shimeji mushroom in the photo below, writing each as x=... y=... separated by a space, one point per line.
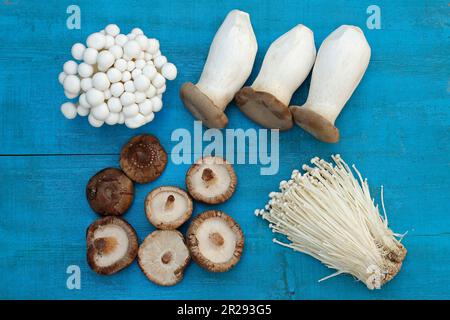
x=341 y=62
x=211 y=180
x=229 y=64
x=286 y=65
x=111 y=245
x=168 y=207
x=215 y=241
x=143 y=158
x=163 y=256
x=110 y=192
x=330 y=215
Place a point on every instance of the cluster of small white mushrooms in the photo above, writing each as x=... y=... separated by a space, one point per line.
x=119 y=79
x=330 y=215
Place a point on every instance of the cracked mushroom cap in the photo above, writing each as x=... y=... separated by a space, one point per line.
x=202 y=107
x=211 y=180
x=143 y=159
x=264 y=108
x=215 y=241
x=163 y=256
x=110 y=192
x=168 y=207
x=112 y=245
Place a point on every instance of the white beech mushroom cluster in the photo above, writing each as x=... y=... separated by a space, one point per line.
x=120 y=79
x=329 y=214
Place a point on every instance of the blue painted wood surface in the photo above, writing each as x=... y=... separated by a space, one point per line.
x=395 y=129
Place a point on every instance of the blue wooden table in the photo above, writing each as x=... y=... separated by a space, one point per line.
x=395 y=129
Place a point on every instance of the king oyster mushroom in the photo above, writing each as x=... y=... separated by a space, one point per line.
x=211 y=180
x=286 y=65
x=110 y=192
x=168 y=207
x=229 y=64
x=143 y=158
x=163 y=256
x=112 y=245
x=340 y=65
x=215 y=241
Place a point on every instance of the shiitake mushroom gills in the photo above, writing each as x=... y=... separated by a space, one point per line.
x=112 y=245
x=211 y=180
x=168 y=207
x=143 y=158
x=110 y=192
x=163 y=256
x=215 y=241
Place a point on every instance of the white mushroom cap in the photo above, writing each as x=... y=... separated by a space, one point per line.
x=211 y=180
x=168 y=207
x=163 y=256
x=215 y=241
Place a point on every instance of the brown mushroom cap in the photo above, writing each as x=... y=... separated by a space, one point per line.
x=215 y=241
x=143 y=158
x=163 y=256
x=112 y=245
x=168 y=207
x=110 y=192
x=315 y=124
x=264 y=108
x=201 y=106
x=211 y=180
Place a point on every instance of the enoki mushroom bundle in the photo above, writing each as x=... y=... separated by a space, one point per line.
x=329 y=214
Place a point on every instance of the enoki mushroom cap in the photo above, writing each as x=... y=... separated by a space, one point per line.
x=163 y=256
x=111 y=245
x=215 y=241
x=110 y=192
x=202 y=107
x=315 y=124
x=143 y=158
x=211 y=180
x=264 y=108
x=168 y=207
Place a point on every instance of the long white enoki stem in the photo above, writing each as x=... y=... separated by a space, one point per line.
x=330 y=215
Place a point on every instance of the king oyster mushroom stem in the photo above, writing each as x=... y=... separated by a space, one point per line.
x=229 y=64
x=341 y=63
x=286 y=65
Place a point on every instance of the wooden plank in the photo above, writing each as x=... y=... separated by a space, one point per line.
x=395 y=129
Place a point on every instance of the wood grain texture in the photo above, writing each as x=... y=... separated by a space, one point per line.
x=395 y=129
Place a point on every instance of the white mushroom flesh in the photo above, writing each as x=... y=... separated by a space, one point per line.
x=165 y=209
x=230 y=59
x=210 y=249
x=341 y=63
x=119 y=251
x=162 y=254
x=287 y=63
x=217 y=186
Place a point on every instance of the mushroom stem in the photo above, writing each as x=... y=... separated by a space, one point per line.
x=229 y=64
x=217 y=239
x=341 y=63
x=287 y=63
x=167 y=257
x=230 y=59
x=105 y=245
x=208 y=176
x=169 y=202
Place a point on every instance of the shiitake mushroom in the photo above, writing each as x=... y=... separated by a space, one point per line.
x=112 y=245
x=143 y=158
x=215 y=241
x=211 y=180
x=110 y=192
